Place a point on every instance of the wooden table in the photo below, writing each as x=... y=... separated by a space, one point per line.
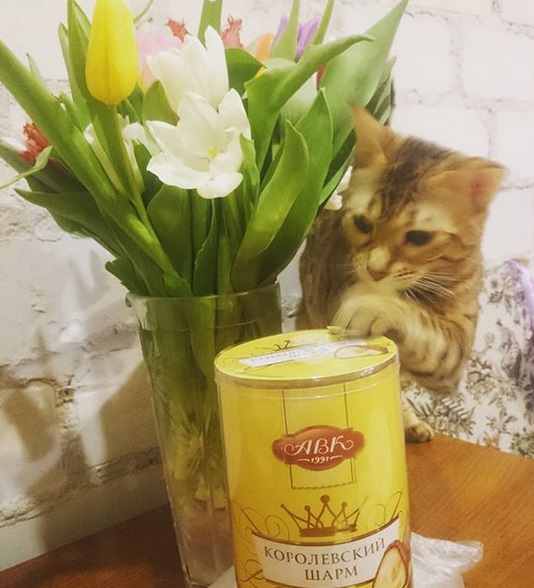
x=458 y=491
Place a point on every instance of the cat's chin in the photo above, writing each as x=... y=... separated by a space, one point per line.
x=384 y=287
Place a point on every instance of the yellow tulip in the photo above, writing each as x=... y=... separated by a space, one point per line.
x=264 y=47
x=111 y=68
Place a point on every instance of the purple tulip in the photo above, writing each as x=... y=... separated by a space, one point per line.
x=305 y=33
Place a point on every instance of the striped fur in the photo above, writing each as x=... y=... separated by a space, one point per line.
x=402 y=257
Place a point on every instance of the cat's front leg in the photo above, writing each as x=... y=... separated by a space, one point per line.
x=415 y=430
x=371 y=315
x=432 y=348
x=367 y=315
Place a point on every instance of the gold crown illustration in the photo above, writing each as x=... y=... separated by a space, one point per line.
x=327 y=521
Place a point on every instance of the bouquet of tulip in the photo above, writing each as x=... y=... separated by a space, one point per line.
x=200 y=169
x=200 y=165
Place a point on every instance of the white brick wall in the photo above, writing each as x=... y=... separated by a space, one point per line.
x=426 y=63
x=517 y=11
x=497 y=64
x=514 y=142
x=77 y=444
x=476 y=7
x=469 y=133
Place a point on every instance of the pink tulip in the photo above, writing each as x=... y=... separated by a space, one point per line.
x=178 y=28
x=35 y=143
x=150 y=43
x=230 y=36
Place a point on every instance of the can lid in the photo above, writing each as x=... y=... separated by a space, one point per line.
x=317 y=357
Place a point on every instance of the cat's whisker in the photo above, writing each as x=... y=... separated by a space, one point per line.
x=420 y=296
x=410 y=295
x=430 y=291
x=435 y=288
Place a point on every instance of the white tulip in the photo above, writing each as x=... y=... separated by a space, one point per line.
x=192 y=68
x=203 y=151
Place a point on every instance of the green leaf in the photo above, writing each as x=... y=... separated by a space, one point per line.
x=107 y=127
x=124 y=270
x=52 y=178
x=150 y=261
x=156 y=106
x=143 y=236
x=246 y=194
x=77 y=117
x=268 y=92
x=73 y=228
x=210 y=17
x=52 y=120
x=201 y=219
x=354 y=76
x=380 y=103
x=286 y=45
x=324 y=22
x=380 y=107
x=383 y=110
x=80 y=108
x=274 y=203
x=151 y=182
x=316 y=128
x=175 y=285
x=35 y=70
x=226 y=248
x=132 y=107
x=232 y=224
x=40 y=163
x=109 y=132
x=170 y=214
x=242 y=67
x=205 y=271
x=12 y=157
x=301 y=101
x=338 y=167
x=78 y=27
x=78 y=207
x=333 y=182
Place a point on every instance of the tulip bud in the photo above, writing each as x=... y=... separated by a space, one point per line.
x=264 y=47
x=112 y=65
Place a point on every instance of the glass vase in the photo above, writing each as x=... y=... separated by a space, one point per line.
x=180 y=338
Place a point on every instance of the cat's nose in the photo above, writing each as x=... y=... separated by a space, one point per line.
x=378 y=262
x=377 y=274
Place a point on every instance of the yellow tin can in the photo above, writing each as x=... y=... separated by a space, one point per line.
x=316 y=462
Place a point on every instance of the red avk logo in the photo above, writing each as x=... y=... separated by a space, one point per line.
x=319 y=447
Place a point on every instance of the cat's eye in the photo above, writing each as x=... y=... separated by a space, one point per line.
x=363 y=224
x=418 y=237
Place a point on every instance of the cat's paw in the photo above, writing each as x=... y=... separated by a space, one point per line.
x=370 y=315
x=415 y=430
x=419 y=432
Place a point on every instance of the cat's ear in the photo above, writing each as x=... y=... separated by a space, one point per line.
x=478 y=179
x=484 y=183
x=372 y=138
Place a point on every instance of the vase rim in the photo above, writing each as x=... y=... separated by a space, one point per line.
x=132 y=296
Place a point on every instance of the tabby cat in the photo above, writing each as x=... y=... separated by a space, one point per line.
x=402 y=257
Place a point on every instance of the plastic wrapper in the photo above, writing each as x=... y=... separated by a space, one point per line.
x=437 y=563
x=440 y=564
